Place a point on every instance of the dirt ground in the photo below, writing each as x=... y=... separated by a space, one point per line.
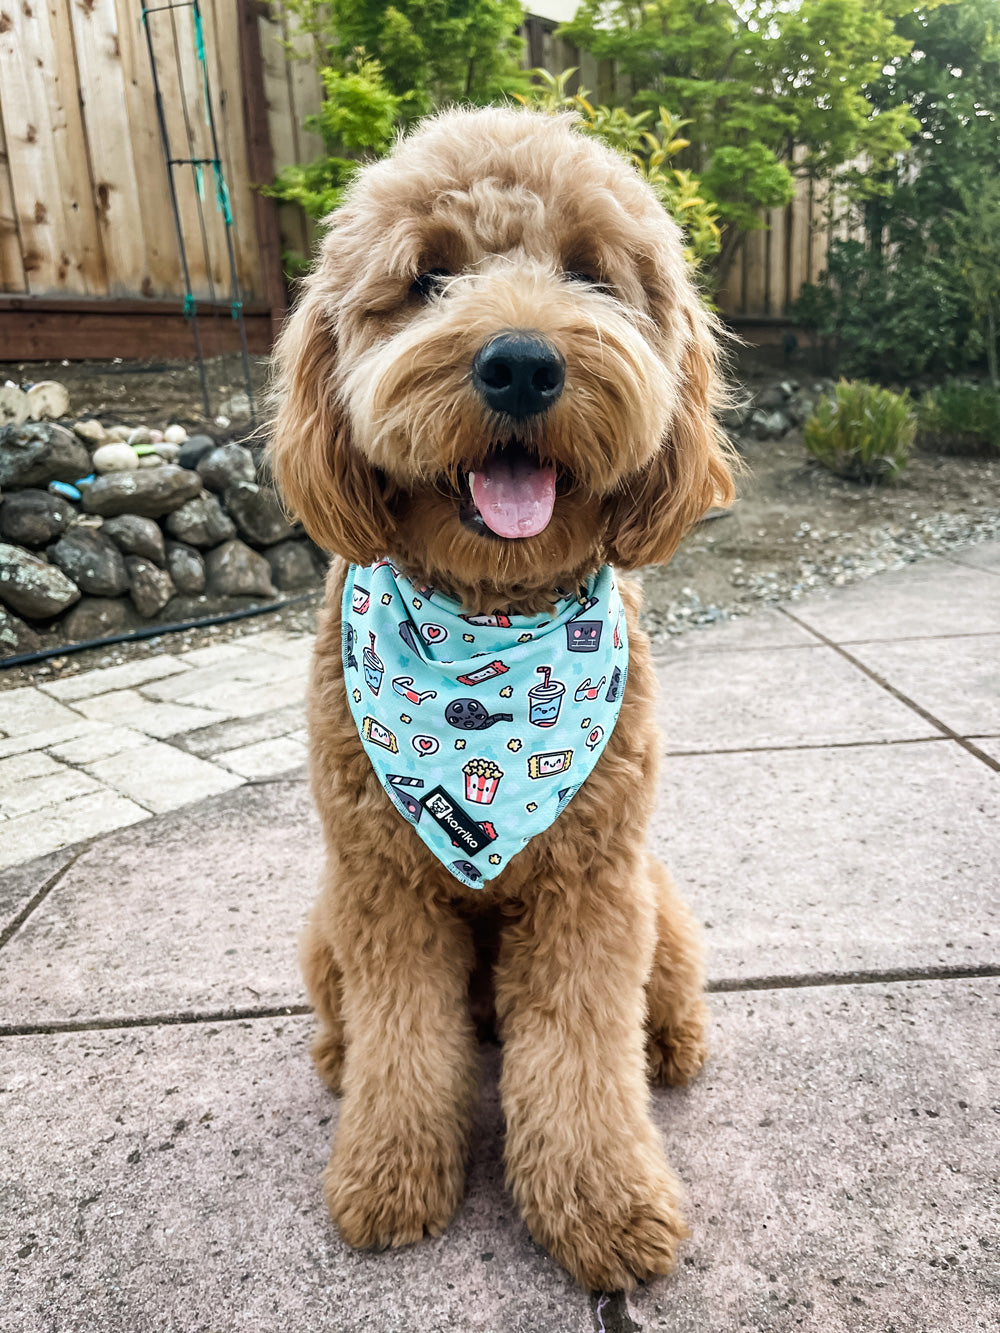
x=795 y=526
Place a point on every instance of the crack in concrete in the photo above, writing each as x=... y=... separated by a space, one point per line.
x=39 y=896
x=929 y=717
x=804 y=981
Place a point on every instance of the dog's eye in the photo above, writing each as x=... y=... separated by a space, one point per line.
x=577 y=276
x=429 y=283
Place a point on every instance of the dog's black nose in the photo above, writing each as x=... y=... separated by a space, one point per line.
x=519 y=374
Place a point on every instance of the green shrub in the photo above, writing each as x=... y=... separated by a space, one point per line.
x=864 y=433
x=960 y=419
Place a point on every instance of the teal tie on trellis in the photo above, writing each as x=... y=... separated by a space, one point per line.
x=481 y=729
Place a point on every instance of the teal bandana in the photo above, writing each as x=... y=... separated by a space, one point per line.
x=481 y=728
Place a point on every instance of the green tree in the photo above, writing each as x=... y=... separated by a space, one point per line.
x=773 y=91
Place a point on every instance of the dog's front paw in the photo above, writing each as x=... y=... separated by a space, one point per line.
x=675 y=1054
x=607 y=1249
x=389 y=1198
x=328 y=1056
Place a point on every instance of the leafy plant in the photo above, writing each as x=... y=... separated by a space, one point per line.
x=773 y=91
x=960 y=418
x=864 y=433
x=651 y=147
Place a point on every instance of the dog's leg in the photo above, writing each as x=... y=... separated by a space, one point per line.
x=677 y=1016
x=584 y=1160
x=323 y=983
x=398 y=1164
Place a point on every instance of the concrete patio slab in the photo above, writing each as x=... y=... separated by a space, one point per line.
x=764 y=629
x=198 y=909
x=835 y=1152
x=934 y=597
x=56 y=827
x=957 y=679
x=20 y=883
x=990 y=745
x=767 y=698
x=835 y=861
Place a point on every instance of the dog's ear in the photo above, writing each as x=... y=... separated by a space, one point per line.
x=322 y=478
x=690 y=472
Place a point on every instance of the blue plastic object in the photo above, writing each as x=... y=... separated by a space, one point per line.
x=64 y=489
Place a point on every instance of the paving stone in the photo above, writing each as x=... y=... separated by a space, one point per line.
x=129 y=709
x=19 y=884
x=104 y=740
x=775 y=697
x=45 y=789
x=934 y=597
x=90 y=683
x=251 y=669
x=265 y=759
x=215 y=654
x=281 y=643
x=61 y=825
x=836 y=1156
x=42 y=740
x=161 y=778
x=242 y=731
x=247 y=701
x=202 y=907
x=26 y=709
x=838 y=861
x=22 y=767
x=957 y=679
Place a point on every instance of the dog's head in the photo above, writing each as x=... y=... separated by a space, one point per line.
x=499 y=373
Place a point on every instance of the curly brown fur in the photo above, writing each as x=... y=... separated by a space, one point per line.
x=597 y=965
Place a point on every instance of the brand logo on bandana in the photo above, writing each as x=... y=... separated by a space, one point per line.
x=446 y=812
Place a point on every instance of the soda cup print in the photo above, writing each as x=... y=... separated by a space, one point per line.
x=374 y=668
x=545 y=699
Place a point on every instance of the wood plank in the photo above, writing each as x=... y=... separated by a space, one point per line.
x=47 y=151
x=755 y=268
x=106 y=123
x=777 y=289
x=307 y=92
x=798 y=248
x=230 y=94
x=12 y=276
x=260 y=159
x=156 y=215
x=283 y=129
x=104 y=332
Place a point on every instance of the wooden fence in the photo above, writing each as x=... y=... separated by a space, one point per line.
x=89 y=260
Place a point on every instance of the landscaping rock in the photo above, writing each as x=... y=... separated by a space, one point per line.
x=134 y=535
x=151 y=588
x=34 y=518
x=292 y=565
x=201 y=522
x=115 y=457
x=93 y=563
x=91 y=431
x=772 y=398
x=175 y=435
x=140 y=435
x=14 y=406
x=167 y=451
x=95 y=618
x=33 y=587
x=234 y=570
x=186 y=567
x=151 y=460
x=119 y=433
x=47 y=399
x=769 y=425
x=225 y=466
x=257 y=513
x=150 y=494
x=193 y=449
x=16 y=636
x=40 y=452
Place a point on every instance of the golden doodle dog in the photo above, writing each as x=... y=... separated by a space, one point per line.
x=498 y=382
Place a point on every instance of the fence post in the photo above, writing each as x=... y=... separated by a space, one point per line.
x=260 y=158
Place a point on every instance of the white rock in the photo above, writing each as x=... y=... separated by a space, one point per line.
x=91 y=431
x=14 y=405
x=119 y=433
x=175 y=435
x=151 y=460
x=115 y=457
x=48 y=400
x=141 y=435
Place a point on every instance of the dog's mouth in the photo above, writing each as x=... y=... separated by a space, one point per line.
x=510 y=494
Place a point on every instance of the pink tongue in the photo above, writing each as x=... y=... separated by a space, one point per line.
x=514 y=496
